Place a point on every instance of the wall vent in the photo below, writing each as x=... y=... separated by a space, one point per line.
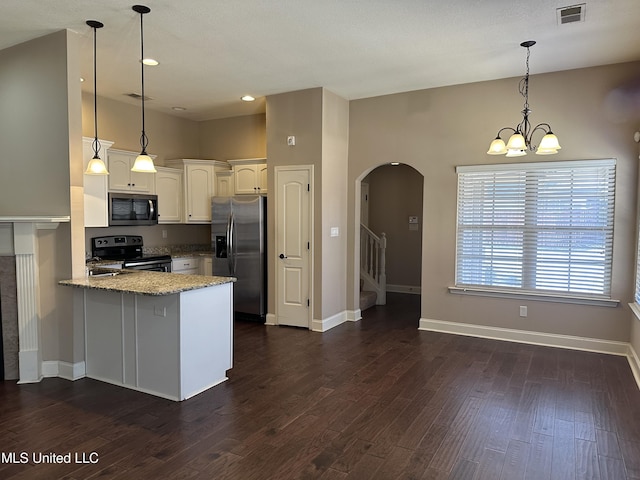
x=137 y=96
x=572 y=14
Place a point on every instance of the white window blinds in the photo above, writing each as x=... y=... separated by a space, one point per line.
x=537 y=227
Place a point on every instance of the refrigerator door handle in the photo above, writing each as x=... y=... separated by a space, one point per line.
x=231 y=246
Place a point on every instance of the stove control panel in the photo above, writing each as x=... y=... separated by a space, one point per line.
x=116 y=241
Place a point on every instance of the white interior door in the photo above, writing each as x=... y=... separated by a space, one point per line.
x=294 y=221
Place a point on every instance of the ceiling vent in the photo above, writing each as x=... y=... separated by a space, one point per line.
x=137 y=96
x=572 y=14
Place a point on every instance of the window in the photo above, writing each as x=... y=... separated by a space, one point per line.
x=537 y=227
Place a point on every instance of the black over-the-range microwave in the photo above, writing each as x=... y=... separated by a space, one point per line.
x=133 y=209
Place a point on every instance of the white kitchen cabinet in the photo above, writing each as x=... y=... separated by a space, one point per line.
x=199 y=186
x=96 y=207
x=200 y=189
x=169 y=189
x=173 y=346
x=224 y=183
x=122 y=179
x=249 y=175
x=186 y=265
x=206 y=265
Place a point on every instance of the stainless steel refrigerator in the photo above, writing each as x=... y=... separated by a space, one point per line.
x=238 y=237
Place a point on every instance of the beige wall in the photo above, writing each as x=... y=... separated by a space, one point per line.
x=41 y=138
x=435 y=130
x=395 y=193
x=300 y=114
x=235 y=137
x=34 y=127
x=335 y=147
x=120 y=122
x=319 y=120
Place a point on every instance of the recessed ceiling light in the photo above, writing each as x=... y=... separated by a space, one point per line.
x=150 y=62
x=395 y=163
x=178 y=109
x=81 y=79
x=247 y=98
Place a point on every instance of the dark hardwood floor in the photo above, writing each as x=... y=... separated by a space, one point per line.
x=376 y=399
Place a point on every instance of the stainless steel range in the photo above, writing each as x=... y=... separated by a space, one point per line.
x=128 y=249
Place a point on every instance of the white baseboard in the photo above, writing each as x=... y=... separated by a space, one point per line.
x=66 y=370
x=538 y=338
x=634 y=363
x=270 y=319
x=354 y=315
x=525 y=336
x=328 y=323
x=404 y=289
x=50 y=368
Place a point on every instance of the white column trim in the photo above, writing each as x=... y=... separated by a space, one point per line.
x=25 y=244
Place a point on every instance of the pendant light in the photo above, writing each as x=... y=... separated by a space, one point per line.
x=522 y=137
x=143 y=162
x=95 y=166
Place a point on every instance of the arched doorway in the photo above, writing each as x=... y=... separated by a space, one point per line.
x=391 y=199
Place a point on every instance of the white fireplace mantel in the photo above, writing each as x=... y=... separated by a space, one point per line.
x=34 y=219
x=24 y=229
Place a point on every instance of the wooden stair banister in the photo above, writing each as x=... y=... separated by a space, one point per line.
x=373 y=262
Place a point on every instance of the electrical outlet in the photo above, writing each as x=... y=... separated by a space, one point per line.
x=291 y=140
x=164 y=234
x=523 y=311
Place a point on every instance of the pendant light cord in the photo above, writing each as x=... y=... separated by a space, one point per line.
x=144 y=141
x=96 y=143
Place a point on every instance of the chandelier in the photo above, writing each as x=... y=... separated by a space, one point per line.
x=521 y=139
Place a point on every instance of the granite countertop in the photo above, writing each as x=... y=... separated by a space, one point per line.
x=190 y=254
x=145 y=283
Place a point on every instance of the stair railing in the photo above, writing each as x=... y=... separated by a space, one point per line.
x=373 y=263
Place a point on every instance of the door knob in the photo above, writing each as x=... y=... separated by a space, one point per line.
x=282 y=256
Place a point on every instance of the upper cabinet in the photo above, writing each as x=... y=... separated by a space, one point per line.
x=224 y=183
x=250 y=175
x=122 y=179
x=96 y=208
x=169 y=189
x=199 y=186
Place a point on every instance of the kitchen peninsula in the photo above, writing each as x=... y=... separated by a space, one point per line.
x=165 y=334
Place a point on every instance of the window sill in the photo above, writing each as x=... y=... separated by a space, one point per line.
x=542 y=297
x=635 y=308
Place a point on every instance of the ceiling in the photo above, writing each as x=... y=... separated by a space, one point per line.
x=211 y=52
